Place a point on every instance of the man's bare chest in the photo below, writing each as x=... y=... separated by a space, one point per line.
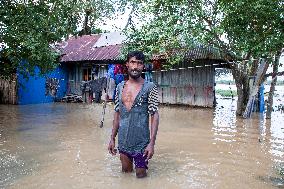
x=129 y=95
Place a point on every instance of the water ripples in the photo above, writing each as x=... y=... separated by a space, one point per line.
x=61 y=145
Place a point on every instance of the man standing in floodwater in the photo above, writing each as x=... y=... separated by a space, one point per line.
x=136 y=101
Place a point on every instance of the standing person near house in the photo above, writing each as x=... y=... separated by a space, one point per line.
x=136 y=101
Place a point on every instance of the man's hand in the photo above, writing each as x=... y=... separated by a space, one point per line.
x=111 y=147
x=149 y=151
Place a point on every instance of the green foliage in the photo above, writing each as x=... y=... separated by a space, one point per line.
x=162 y=30
x=254 y=26
x=226 y=93
x=244 y=31
x=226 y=82
x=236 y=27
x=29 y=29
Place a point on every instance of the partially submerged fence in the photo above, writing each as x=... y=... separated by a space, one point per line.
x=8 y=91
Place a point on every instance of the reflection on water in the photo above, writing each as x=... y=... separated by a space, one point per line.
x=62 y=146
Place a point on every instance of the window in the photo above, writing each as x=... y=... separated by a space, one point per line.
x=87 y=74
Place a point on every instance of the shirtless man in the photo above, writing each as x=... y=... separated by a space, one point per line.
x=136 y=102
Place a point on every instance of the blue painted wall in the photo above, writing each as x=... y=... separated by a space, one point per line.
x=32 y=91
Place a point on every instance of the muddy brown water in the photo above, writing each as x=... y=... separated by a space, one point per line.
x=61 y=146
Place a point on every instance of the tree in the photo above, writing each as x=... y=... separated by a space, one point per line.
x=272 y=85
x=92 y=10
x=250 y=32
x=30 y=29
x=256 y=28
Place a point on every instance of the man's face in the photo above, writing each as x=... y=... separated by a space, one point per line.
x=134 y=67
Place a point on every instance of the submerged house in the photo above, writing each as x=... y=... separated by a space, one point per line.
x=192 y=81
x=32 y=89
x=42 y=89
x=83 y=58
x=88 y=57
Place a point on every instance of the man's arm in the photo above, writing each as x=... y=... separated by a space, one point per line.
x=149 y=151
x=154 y=127
x=153 y=102
x=111 y=146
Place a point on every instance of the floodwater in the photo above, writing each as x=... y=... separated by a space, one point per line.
x=61 y=146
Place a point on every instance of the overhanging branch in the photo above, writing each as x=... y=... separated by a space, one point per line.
x=271 y=74
x=129 y=20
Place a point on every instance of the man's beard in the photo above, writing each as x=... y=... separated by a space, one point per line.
x=134 y=74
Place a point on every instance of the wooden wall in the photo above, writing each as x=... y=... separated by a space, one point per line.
x=76 y=76
x=192 y=84
x=8 y=91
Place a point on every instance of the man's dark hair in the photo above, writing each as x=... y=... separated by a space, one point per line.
x=137 y=54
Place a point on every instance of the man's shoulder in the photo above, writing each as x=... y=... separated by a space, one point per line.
x=150 y=84
x=120 y=84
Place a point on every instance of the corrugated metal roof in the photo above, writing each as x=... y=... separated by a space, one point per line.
x=205 y=53
x=84 y=48
x=105 y=53
x=112 y=38
x=107 y=47
x=198 y=52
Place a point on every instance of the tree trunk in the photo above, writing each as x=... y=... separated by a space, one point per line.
x=261 y=70
x=272 y=85
x=86 y=28
x=240 y=92
x=240 y=102
x=241 y=80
